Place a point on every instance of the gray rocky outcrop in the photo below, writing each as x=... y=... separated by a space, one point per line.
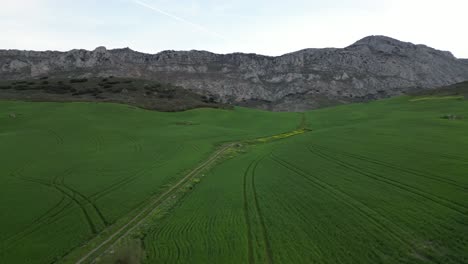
x=373 y=67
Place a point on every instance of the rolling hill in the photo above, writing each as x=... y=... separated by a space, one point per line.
x=378 y=182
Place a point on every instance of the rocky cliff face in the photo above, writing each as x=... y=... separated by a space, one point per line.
x=373 y=67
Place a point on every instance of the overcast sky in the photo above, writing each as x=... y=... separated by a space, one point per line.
x=267 y=27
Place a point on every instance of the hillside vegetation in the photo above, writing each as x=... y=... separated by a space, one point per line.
x=380 y=182
x=147 y=94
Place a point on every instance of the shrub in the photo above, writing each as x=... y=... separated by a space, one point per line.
x=45 y=82
x=4 y=87
x=56 y=89
x=451 y=117
x=21 y=87
x=82 y=80
x=44 y=78
x=115 y=90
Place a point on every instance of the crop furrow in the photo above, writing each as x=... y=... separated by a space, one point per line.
x=347 y=200
x=124 y=182
x=434 y=198
x=394 y=167
x=247 y=217
x=268 y=251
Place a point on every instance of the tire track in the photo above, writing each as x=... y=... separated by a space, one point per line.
x=97 y=143
x=93 y=204
x=124 y=182
x=378 y=177
x=394 y=167
x=58 y=138
x=361 y=208
x=137 y=147
x=59 y=180
x=71 y=196
x=138 y=219
x=38 y=222
x=268 y=251
x=250 y=255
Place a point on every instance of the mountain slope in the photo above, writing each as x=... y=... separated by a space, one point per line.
x=373 y=67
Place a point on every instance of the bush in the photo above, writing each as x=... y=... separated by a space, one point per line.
x=21 y=87
x=451 y=117
x=45 y=82
x=92 y=91
x=82 y=80
x=4 y=87
x=31 y=83
x=107 y=85
x=44 y=78
x=115 y=90
x=57 y=89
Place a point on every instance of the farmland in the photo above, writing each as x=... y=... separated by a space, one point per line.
x=71 y=170
x=381 y=182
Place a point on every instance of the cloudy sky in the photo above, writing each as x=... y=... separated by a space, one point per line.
x=267 y=27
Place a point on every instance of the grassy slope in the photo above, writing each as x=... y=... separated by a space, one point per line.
x=383 y=182
x=68 y=170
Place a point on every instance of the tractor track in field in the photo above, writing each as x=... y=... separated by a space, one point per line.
x=58 y=184
x=139 y=218
x=49 y=216
x=137 y=147
x=93 y=204
x=90 y=222
x=378 y=177
x=97 y=143
x=348 y=200
x=58 y=138
x=123 y=182
x=247 y=218
x=414 y=172
x=59 y=181
x=37 y=223
x=268 y=251
x=256 y=205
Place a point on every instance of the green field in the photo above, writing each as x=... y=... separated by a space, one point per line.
x=381 y=182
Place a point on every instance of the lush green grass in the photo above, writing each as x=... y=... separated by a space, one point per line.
x=71 y=169
x=382 y=182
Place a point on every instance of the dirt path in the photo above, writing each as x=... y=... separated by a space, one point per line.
x=142 y=216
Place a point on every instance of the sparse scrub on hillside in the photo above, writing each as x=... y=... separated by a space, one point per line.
x=78 y=80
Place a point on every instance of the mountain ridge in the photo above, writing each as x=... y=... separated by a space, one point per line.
x=371 y=68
